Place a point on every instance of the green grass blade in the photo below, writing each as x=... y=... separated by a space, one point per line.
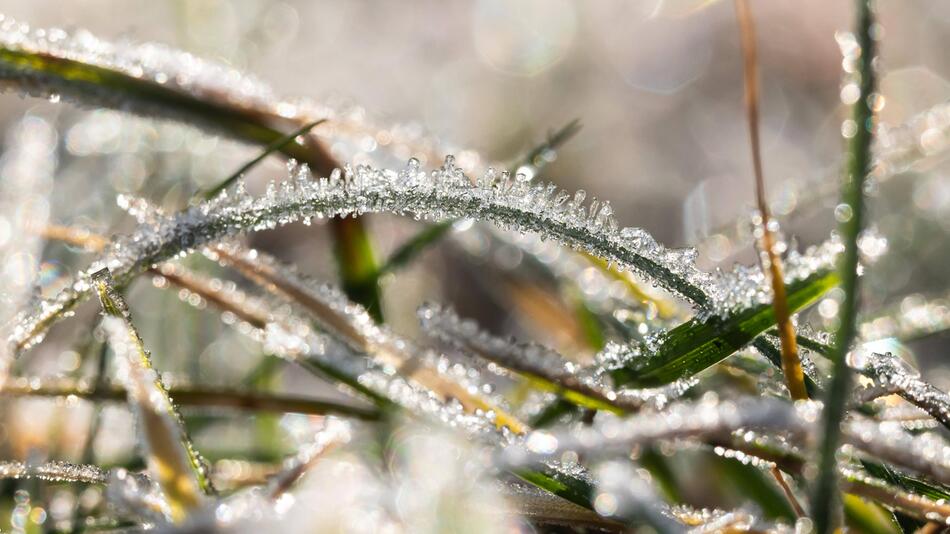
x=538 y=157
x=414 y=246
x=859 y=163
x=701 y=342
x=907 y=482
x=268 y=150
x=868 y=517
x=356 y=263
x=171 y=457
x=552 y=413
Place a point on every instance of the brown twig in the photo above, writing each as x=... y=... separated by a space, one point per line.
x=780 y=478
x=791 y=364
x=220 y=398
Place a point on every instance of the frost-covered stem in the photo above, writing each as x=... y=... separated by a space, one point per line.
x=173 y=274
x=54 y=471
x=787 y=490
x=171 y=456
x=919 y=506
x=335 y=434
x=533 y=162
x=824 y=499
x=791 y=365
x=199 y=397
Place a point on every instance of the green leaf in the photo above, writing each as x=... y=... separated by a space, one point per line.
x=702 y=342
x=775 y=357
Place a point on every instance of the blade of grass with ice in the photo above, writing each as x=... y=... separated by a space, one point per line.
x=171 y=457
x=196 y=397
x=701 y=342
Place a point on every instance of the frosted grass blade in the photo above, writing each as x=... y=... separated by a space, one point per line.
x=172 y=459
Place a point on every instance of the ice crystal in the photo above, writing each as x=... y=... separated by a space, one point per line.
x=316 y=326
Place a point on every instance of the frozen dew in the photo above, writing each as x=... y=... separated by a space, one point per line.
x=927 y=453
x=857 y=480
x=681 y=421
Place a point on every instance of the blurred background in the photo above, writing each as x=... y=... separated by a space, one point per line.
x=656 y=85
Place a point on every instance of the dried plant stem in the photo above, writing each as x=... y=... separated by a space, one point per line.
x=791 y=365
x=787 y=490
x=178 y=277
x=204 y=397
